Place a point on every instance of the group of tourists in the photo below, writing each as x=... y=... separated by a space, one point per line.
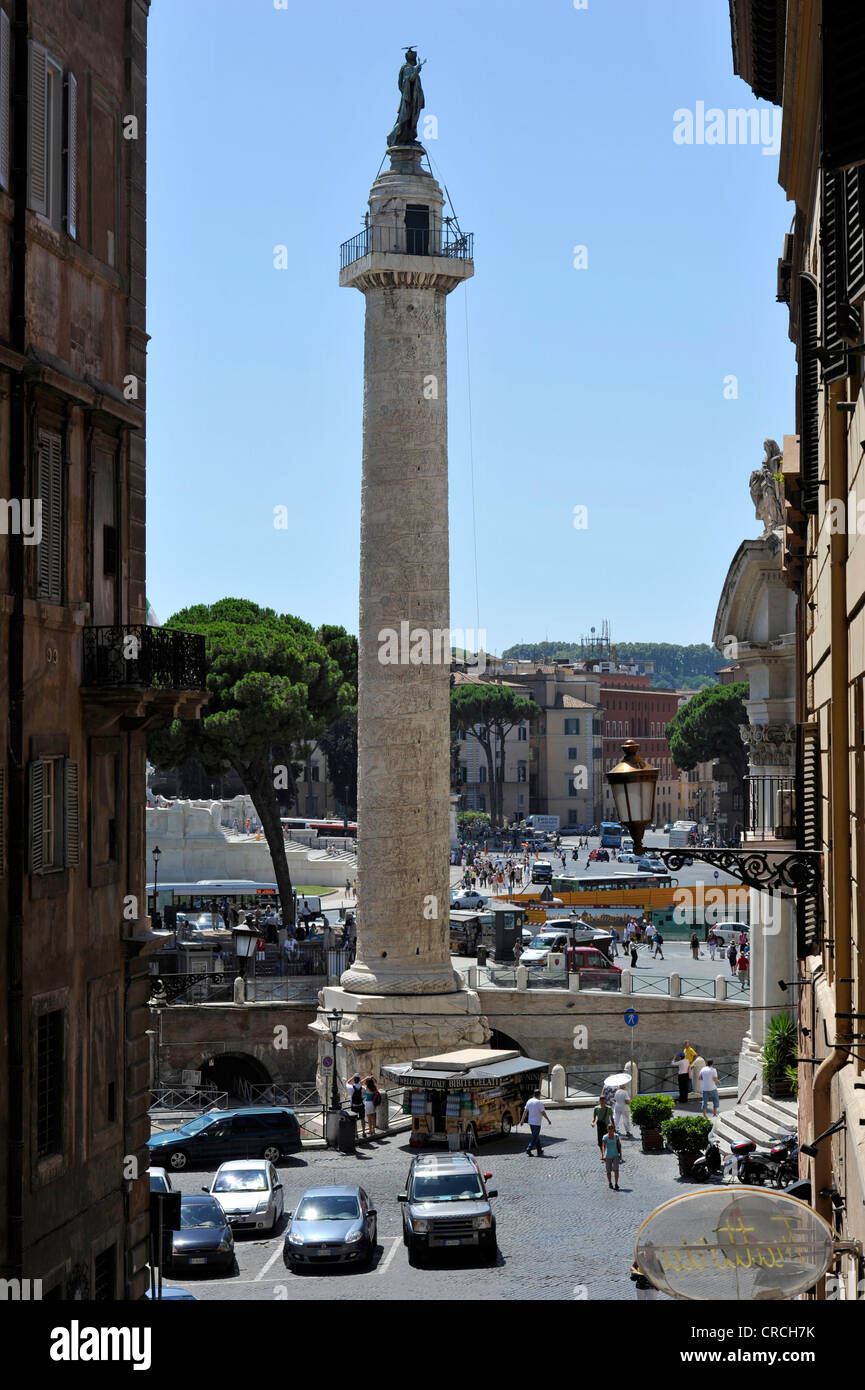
x=611 y=1118
x=497 y=874
x=364 y=1098
x=637 y=933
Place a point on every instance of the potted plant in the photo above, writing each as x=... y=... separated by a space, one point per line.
x=687 y=1136
x=649 y=1113
x=779 y=1053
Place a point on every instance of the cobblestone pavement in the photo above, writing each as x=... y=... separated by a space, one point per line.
x=562 y=1233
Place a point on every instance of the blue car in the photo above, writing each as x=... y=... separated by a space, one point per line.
x=263 y=1132
x=331 y=1225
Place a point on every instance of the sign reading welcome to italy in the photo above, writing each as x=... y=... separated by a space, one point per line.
x=734 y=1244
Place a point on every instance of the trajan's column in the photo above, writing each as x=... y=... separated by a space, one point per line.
x=401 y=998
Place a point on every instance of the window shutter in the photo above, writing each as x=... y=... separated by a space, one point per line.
x=809 y=393
x=854 y=213
x=843 y=32
x=36 y=818
x=50 y=490
x=37 y=133
x=5 y=97
x=2 y=822
x=71 y=155
x=71 y=832
x=833 y=349
x=808 y=823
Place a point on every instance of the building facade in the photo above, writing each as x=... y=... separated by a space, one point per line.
x=807 y=57
x=84 y=676
x=632 y=709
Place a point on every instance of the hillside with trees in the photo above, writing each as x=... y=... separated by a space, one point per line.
x=676 y=667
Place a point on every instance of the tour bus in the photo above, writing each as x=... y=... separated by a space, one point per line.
x=611 y=834
x=208 y=895
x=335 y=829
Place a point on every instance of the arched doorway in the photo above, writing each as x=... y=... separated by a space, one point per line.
x=236 y=1072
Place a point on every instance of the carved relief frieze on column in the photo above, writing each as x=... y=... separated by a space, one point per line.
x=769 y=745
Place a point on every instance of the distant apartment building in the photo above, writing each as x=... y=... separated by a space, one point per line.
x=84 y=677
x=632 y=709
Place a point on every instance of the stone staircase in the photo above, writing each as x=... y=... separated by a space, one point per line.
x=759 y=1120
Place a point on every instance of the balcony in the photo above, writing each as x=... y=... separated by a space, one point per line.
x=135 y=676
x=407 y=241
x=769 y=808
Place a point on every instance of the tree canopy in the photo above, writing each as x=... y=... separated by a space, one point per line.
x=707 y=727
x=275 y=684
x=487 y=712
x=676 y=667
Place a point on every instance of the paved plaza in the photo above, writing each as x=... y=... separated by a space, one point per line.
x=562 y=1233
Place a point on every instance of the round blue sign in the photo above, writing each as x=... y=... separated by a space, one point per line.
x=716 y=873
x=327 y=1061
x=632 y=1018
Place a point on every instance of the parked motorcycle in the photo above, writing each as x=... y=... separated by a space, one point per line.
x=708 y=1165
x=776 y=1166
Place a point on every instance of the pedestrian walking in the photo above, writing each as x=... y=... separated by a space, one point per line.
x=356 y=1102
x=534 y=1112
x=711 y=943
x=622 y=1112
x=633 y=955
x=742 y=968
x=731 y=957
x=612 y=1155
x=683 y=1068
x=695 y=946
x=601 y=1116
x=659 y=941
x=518 y=951
x=614 y=943
x=709 y=1086
x=371 y=1098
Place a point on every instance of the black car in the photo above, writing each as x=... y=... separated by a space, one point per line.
x=210 y=1139
x=204 y=1240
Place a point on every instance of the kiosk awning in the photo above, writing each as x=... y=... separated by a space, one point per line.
x=447 y=1073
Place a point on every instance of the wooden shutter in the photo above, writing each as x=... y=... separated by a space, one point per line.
x=808 y=828
x=71 y=831
x=36 y=818
x=5 y=99
x=854 y=227
x=2 y=822
x=833 y=348
x=843 y=34
x=71 y=155
x=50 y=490
x=37 y=131
x=809 y=393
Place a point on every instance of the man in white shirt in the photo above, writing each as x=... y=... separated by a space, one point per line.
x=534 y=1112
x=709 y=1086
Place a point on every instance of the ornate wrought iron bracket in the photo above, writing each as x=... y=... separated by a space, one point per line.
x=165 y=990
x=791 y=873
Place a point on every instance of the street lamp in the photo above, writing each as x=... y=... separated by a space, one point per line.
x=334 y=1023
x=245 y=941
x=633 y=784
x=156 y=855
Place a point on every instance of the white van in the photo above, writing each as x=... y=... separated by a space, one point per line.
x=627 y=845
x=730 y=931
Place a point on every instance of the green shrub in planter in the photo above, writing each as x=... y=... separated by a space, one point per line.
x=649 y=1112
x=780 y=1047
x=687 y=1134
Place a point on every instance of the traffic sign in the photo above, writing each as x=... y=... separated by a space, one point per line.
x=632 y=1018
x=327 y=1061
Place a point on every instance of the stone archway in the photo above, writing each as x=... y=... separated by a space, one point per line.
x=233 y=1072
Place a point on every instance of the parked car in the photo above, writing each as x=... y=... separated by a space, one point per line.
x=542 y=871
x=648 y=864
x=730 y=931
x=469 y=898
x=204 y=1240
x=594 y=969
x=160 y=1181
x=627 y=857
x=558 y=936
x=331 y=1225
x=601 y=856
x=264 y=1132
x=447 y=1204
x=250 y=1193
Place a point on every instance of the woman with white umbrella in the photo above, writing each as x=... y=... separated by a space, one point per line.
x=615 y=1085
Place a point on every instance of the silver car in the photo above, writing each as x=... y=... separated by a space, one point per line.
x=250 y=1193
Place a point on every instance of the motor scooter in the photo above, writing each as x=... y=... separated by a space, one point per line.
x=708 y=1165
x=776 y=1166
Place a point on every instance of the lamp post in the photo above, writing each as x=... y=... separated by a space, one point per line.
x=245 y=941
x=156 y=854
x=334 y=1022
x=633 y=784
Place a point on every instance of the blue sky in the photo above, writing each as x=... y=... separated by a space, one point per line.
x=601 y=387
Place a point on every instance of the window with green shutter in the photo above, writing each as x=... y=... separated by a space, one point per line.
x=49 y=490
x=808 y=394
x=53 y=830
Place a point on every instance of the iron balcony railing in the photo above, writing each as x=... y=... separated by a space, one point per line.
x=770 y=808
x=407 y=241
x=158 y=658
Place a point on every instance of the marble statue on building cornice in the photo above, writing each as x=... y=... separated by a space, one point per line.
x=766 y=490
